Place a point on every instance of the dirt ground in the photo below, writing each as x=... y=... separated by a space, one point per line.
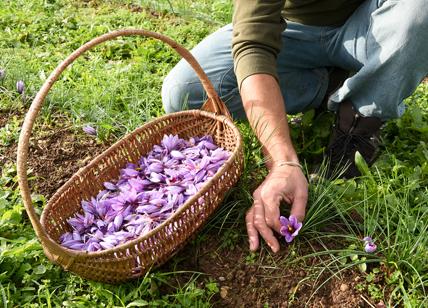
x=58 y=151
x=251 y=285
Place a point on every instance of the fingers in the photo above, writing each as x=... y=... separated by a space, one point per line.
x=298 y=208
x=272 y=214
x=253 y=236
x=261 y=226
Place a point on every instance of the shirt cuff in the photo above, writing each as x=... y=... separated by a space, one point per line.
x=255 y=61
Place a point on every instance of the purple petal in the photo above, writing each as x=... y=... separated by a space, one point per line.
x=175 y=189
x=155 y=167
x=191 y=190
x=296 y=230
x=149 y=209
x=367 y=239
x=102 y=194
x=288 y=237
x=75 y=245
x=99 y=235
x=177 y=155
x=166 y=208
x=284 y=231
x=284 y=221
x=68 y=236
x=129 y=172
x=293 y=220
x=156 y=177
x=118 y=220
x=101 y=208
x=94 y=246
x=110 y=186
x=106 y=245
x=200 y=176
x=137 y=184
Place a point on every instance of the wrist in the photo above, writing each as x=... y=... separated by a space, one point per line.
x=275 y=158
x=287 y=163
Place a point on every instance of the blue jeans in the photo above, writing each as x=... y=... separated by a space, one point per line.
x=383 y=44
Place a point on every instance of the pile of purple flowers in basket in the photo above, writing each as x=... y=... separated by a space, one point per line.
x=146 y=194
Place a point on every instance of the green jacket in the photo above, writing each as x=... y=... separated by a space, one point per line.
x=257 y=27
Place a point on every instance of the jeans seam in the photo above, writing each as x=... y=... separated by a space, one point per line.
x=367 y=36
x=220 y=87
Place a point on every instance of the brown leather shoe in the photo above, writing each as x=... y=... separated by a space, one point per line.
x=336 y=77
x=352 y=132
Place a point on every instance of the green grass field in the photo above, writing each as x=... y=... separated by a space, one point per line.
x=116 y=88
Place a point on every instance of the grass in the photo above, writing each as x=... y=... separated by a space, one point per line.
x=116 y=87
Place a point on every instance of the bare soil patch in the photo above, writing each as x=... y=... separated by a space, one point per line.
x=57 y=151
x=246 y=284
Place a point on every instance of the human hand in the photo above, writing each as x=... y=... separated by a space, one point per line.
x=284 y=183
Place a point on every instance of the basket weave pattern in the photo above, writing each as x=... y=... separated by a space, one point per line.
x=132 y=259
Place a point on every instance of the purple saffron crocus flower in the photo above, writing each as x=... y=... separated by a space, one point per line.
x=20 y=86
x=170 y=142
x=367 y=239
x=289 y=227
x=370 y=247
x=91 y=131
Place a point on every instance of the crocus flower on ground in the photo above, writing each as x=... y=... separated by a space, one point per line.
x=369 y=245
x=146 y=193
x=2 y=74
x=20 y=86
x=90 y=130
x=289 y=227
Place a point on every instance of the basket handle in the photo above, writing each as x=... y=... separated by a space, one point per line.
x=213 y=104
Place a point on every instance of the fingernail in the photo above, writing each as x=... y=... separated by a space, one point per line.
x=272 y=247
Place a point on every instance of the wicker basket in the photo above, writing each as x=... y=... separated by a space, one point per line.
x=134 y=258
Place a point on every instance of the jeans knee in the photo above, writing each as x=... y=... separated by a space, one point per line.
x=169 y=100
x=179 y=95
x=414 y=17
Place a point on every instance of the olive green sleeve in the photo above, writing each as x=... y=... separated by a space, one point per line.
x=256 y=41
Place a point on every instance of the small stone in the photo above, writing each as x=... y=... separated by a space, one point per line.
x=221 y=278
x=223 y=292
x=344 y=287
x=381 y=304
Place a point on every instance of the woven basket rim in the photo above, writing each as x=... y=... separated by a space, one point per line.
x=128 y=244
